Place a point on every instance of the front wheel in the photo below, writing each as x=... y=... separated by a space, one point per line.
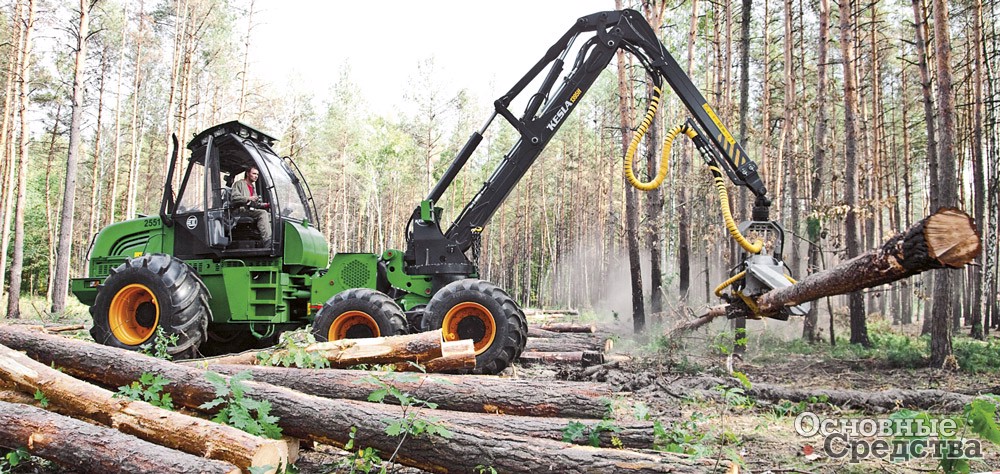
x=358 y=313
x=480 y=311
x=147 y=293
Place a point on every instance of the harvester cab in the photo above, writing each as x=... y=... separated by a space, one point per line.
x=206 y=220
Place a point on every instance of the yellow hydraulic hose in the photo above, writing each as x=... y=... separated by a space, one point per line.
x=720 y=184
x=654 y=102
x=730 y=281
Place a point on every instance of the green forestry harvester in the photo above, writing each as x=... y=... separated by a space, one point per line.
x=201 y=271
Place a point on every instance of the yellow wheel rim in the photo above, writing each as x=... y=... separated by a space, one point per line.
x=134 y=314
x=353 y=325
x=469 y=320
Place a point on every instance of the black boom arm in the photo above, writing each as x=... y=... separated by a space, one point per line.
x=431 y=252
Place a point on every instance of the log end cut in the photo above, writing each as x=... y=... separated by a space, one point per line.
x=952 y=237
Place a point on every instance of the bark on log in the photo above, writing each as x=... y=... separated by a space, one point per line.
x=456 y=356
x=479 y=393
x=329 y=421
x=945 y=239
x=872 y=401
x=877 y=401
x=569 y=327
x=86 y=448
x=582 y=358
x=543 y=344
x=638 y=435
x=419 y=347
x=171 y=429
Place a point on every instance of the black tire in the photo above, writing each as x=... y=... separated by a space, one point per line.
x=148 y=292
x=358 y=313
x=470 y=307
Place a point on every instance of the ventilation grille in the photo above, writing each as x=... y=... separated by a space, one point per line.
x=355 y=274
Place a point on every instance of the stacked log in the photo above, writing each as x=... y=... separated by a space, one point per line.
x=140 y=419
x=505 y=442
x=551 y=341
x=425 y=348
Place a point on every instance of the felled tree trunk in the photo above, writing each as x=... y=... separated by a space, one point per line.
x=419 y=347
x=479 y=393
x=82 y=447
x=544 y=344
x=137 y=418
x=583 y=358
x=945 y=239
x=330 y=421
x=568 y=327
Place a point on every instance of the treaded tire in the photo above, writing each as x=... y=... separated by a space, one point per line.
x=484 y=300
x=152 y=291
x=365 y=311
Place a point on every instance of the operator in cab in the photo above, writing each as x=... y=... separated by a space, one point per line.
x=245 y=194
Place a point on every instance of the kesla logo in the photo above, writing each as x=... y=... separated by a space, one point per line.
x=192 y=222
x=561 y=114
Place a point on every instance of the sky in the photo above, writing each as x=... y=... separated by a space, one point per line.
x=482 y=46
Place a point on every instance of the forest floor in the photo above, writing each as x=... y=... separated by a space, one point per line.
x=703 y=403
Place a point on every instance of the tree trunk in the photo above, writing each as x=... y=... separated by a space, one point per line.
x=567 y=327
x=631 y=204
x=330 y=421
x=654 y=198
x=137 y=418
x=946 y=239
x=60 y=287
x=17 y=262
x=541 y=344
x=471 y=393
x=581 y=358
x=859 y=327
x=419 y=347
x=813 y=223
x=978 y=182
x=84 y=448
x=6 y=145
x=947 y=188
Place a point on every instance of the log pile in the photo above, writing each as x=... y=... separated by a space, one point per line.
x=492 y=429
x=553 y=340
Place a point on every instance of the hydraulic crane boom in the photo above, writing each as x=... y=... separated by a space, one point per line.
x=442 y=254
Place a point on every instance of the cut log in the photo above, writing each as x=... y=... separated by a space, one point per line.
x=569 y=327
x=544 y=344
x=638 y=435
x=171 y=429
x=330 y=421
x=82 y=447
x=946 y=239
x=456 y=357
x=419 y=347
x=479 y=393
x=582 y=358
x=872 y=401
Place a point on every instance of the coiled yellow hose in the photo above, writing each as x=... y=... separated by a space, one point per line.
x=654 y=103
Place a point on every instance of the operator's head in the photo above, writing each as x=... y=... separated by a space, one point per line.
x=252 y=174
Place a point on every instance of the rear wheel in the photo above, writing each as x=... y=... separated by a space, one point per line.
x=358 y=313
x=480 y=311
x=150 y=292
